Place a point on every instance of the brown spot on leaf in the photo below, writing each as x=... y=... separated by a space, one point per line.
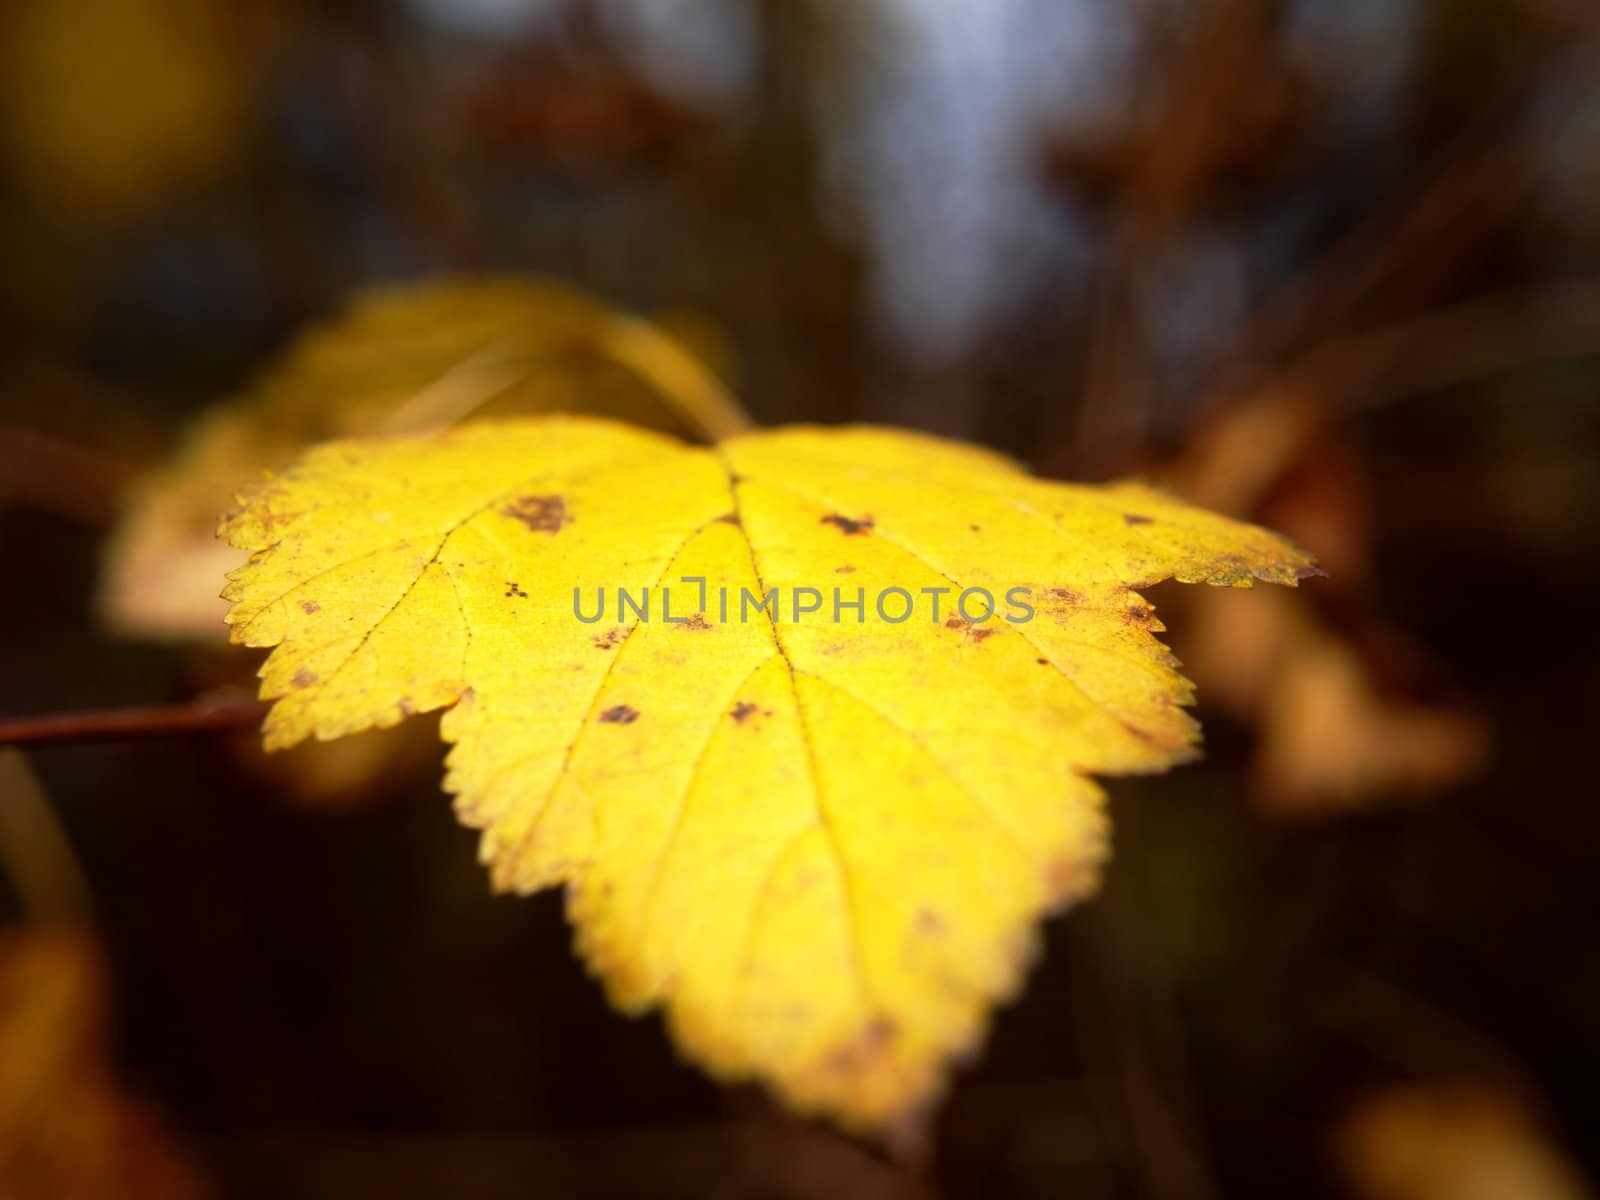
x=847 y=569
x=931 y=922
x=303 y=678
x=1043 y=662
x=406 y=706
x=610 y=638
x=541 y=514
x=743 y=711
x=309 y=607
x=850 y=526
x=974 y=633
x=1139 y=616
x=698 y=621
x=975 y=528
x=1137 y=519
x=514 y=589
x=1070 y=877
x=621 y=714
x=1066 y=595
x=867 y=1048
x=728 y=519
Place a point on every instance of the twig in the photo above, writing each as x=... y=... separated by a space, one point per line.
x=116 y=724
x=1463 y=207
x=58 y=476
x=1417 y=251
x=1482 y=336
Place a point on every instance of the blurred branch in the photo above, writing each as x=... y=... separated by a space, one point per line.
x=1483 y=336
x=1172 y=156
x=196 y=716
x=55 y=475
x=1439 y=231
x=1414 y=253
x=1408 y=257
x=1402 y=1028
x=1486 y=335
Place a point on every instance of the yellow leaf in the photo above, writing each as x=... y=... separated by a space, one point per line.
x=820 y=844
x=404 y=359
x=1453 y=1139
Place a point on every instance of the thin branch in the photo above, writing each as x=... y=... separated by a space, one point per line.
x=59 y=476
x=1488 y=334
x=117 y=724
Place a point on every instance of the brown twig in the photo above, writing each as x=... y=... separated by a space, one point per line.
x=1413 y=255
x=58 y=476
x=116 y=724
x=1416 y=250
x=1485 y=335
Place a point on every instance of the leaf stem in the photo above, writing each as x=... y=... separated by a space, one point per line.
x=688 y=386
x=115 y=724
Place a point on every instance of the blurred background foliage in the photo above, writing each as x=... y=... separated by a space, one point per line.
x=1331 y=266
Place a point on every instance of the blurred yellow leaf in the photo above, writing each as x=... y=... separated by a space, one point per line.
x=821 y=844
x=1336 y=730
x=1447 y=1141
x=1331 y=741
x=107 y=105
x=404 y=359
x=67 y=1129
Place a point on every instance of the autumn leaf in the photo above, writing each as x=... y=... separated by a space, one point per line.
x=819 y=840
x=403 y=359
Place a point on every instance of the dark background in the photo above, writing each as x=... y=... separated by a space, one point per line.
x=1081 y=231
